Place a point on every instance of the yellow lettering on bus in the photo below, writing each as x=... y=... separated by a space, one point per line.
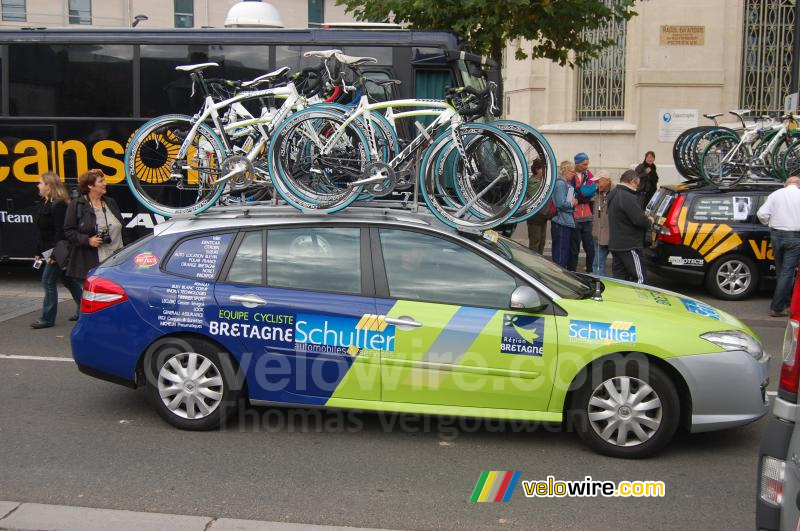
x=81 y=158
x=118 y=175
x=37 y=159
x=4 y=171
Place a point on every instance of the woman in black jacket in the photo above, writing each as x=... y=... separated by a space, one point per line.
x=49 y=219
x=93 y=225
x=648 y=178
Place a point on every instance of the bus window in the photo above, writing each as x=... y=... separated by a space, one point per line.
x=383 y=54
x=239 y=62
x=378 y=92
x=70 y=80
x=163 y=89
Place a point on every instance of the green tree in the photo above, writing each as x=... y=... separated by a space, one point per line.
x=555 y=27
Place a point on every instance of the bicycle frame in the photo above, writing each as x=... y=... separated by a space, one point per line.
x=211 y=110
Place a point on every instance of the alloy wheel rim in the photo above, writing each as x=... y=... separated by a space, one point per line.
x=733 y=277
x=625 y=411
x=190 y=385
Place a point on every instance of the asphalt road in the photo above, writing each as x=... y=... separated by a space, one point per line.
x=69 y=439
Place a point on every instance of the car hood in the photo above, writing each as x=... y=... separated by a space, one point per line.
x=673 y=306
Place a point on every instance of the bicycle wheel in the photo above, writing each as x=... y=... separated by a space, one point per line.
x=313 y=167
x=723 y=162
x=490 y=177
x=165 y=184
x=534 y=146
x=790 y=160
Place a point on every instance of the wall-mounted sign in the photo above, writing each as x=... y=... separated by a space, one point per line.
x=683 y=35
x=673 y=122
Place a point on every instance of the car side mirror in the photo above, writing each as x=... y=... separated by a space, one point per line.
x=526 y=298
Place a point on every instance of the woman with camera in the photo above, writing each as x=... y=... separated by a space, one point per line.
x=93 y=225
x=49 y=219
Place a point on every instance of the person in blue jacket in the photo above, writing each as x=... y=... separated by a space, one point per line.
x=562 y=225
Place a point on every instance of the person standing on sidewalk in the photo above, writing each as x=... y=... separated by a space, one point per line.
x=648 y=177
x=781 y=211
x=600 y=225
x=562 y=226
x=627 y=226
x=49 y=219
x=537 y=224
x=585 y=189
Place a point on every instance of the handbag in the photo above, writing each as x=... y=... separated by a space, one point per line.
x=61 y=253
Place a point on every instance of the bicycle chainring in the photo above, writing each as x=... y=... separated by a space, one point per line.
x=383 y=187
x=244 y=172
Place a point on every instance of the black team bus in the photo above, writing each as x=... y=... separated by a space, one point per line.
x=70 y=99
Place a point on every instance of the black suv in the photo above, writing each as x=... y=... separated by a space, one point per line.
x=712 y=234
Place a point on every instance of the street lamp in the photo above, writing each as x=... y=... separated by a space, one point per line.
x=139 y=18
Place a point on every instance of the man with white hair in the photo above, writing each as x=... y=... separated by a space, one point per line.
x=781 y=211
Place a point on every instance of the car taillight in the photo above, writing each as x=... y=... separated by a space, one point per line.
x=771 y=482
x=669 y=232
x=790 y=368
x=99 y=293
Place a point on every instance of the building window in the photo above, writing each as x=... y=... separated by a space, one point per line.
x=601 y=81
x=316 y=12
x=767 y=55
x=14 y=10
x=184 y=13
x=80 y=11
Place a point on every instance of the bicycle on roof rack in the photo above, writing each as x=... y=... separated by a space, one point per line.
x=471 y=175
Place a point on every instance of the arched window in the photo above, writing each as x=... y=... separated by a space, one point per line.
x=767 y=55
x=601 y=81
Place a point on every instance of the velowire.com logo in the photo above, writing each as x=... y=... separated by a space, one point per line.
x=495 y=486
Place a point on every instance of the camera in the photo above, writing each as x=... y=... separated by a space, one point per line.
x=104 y=235
x=37 y=264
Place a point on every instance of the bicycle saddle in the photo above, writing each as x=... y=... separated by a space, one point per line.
x=386 y=82
x=195 y=68
x=739 y=112
x=267 y=77
x=712 y=116
x=355 y=61
x=325 y=54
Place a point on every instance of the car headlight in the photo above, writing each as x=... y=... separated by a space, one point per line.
x=736 y=340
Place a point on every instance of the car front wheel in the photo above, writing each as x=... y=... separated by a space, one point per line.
x=626 y=409
x=192 y=385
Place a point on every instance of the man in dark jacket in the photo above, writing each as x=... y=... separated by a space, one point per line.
x=627 y=226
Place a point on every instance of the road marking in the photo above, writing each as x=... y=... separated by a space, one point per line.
x=35 y=358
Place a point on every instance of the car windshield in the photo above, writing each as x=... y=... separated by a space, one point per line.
x=564 y=283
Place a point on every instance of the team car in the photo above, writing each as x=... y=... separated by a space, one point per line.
x=380 y=309
x=712 y=235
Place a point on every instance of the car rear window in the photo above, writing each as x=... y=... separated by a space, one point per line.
x=200 y=257
x=722 y=208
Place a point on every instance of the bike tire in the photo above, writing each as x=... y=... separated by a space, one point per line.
x=488 y=149
x=717 y=171
x=302 y=177
x=150 y=157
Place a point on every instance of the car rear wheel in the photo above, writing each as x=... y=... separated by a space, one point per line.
x=626 y=409
x=191 y=384
x=733 y=277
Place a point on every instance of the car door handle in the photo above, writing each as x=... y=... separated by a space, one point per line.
x=403 y=322
x=248 y=301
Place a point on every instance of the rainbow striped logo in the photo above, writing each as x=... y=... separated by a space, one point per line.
x=495 y=486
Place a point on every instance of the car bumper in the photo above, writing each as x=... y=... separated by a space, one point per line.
x=727 y=388
x=776 y=442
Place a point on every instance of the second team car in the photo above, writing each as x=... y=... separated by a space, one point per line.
x=712 y=235
x=387 y=310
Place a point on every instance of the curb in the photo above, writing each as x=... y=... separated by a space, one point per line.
x=41 y=517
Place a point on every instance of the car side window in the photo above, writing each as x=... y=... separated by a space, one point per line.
x=424 y=267
x=723 y=208
x=200 y=257
x=315 y=258
x=247 y=265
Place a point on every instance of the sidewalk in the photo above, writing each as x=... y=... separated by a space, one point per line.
x=36 y=516
x=21 y=292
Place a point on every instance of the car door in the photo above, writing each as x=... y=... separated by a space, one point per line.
x=300 y=297
x=456 y=341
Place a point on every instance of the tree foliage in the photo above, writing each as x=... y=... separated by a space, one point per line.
x=555 y=27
